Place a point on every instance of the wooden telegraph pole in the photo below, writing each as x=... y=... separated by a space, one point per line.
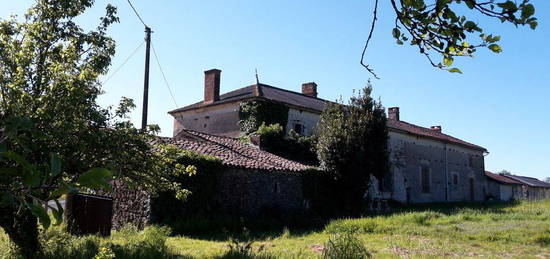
x=146 y=79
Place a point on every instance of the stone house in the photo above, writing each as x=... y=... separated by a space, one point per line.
x=219 y=114
x=253 y=182
x=503 y=188
x=428 y=165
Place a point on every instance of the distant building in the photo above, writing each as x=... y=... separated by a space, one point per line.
x=427 y=165
x=534 y=189
x=503 y=188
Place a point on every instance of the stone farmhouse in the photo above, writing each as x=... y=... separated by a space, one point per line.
x=428 y=165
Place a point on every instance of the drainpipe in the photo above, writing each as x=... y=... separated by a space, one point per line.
x=446 y=176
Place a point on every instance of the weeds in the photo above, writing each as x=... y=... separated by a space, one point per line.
x=345 y=245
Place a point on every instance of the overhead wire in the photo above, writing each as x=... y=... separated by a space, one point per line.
x=137 y=14
x=123 y=63
x=163 y=75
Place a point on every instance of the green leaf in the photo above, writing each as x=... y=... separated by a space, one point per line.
x=533 y=24
x=40 y=213
x=96 y=178
x=470 y=3
x=448 y=61
x=495 y=48
x=454 y=70
x=508 y=5
x=396 y=33
x=527 y=11
x=57 y=213
x=55 y=164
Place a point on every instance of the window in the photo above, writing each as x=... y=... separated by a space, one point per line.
x=276 y=188
x=299 y=128
x=471 y=161
x=455 y=179
x=425 y=179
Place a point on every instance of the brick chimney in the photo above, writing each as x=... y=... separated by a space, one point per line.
x=212 y=85
x=309 y=89
x=393 y=113
x=436 y=128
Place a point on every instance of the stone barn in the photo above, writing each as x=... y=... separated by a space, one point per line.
x=252 y=182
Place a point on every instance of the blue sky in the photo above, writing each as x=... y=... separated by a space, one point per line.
x=500 y=102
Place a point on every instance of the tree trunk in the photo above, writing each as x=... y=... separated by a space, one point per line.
x=22 y=228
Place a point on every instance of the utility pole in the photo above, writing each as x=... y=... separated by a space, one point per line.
x=146 y=79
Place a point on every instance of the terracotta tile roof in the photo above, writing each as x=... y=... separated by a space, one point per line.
x=296 y=99
x=426 y=132
x=232 y=152
x=266 y=92
x=534 y=182
x=501 y=178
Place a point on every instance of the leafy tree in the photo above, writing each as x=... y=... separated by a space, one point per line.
x=352 y=144
x=504 y=172
x=54 y=138
x=441 y=27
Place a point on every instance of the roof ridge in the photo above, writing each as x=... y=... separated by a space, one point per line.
x=294 y=92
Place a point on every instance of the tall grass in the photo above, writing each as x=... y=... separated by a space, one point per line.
x=127 y=243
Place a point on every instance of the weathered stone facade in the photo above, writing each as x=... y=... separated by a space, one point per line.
x=426 y=170
x=239 y=193
x=130 y=205
x=222 y=119
x=258 y=193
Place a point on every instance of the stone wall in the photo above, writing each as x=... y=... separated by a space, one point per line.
x=130 y=205
x=241 y=193
x=259 y=193
x=222 y=119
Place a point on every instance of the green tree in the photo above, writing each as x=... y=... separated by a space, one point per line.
x=441 y=27
x=352 y=144
x=54 y=138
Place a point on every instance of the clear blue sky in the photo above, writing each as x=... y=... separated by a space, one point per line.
x=501 y=101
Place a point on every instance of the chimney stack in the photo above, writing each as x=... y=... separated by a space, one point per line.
x=212 y=85
x=436 y=128
x=309 y=89
x=393 y=113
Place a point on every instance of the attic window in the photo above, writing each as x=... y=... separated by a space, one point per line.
x=471 y=161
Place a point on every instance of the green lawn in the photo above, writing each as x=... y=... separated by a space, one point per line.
x=520 y=230
x=495 y=231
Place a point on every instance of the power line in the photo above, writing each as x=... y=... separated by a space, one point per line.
x=163 y=76
x=137 y=14
x=123 y=63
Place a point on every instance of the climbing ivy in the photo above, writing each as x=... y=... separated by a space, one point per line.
x=254 y=113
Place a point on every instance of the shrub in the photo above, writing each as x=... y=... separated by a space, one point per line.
x=127 y=243
x=345 y=246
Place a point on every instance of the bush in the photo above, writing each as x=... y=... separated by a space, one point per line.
x=345 y=246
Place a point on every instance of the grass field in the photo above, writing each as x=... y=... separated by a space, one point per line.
x=519 y=230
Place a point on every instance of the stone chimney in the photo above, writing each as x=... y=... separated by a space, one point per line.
x=436 y=128
x=309 y=89
x=393 y=113
x=212 y=85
